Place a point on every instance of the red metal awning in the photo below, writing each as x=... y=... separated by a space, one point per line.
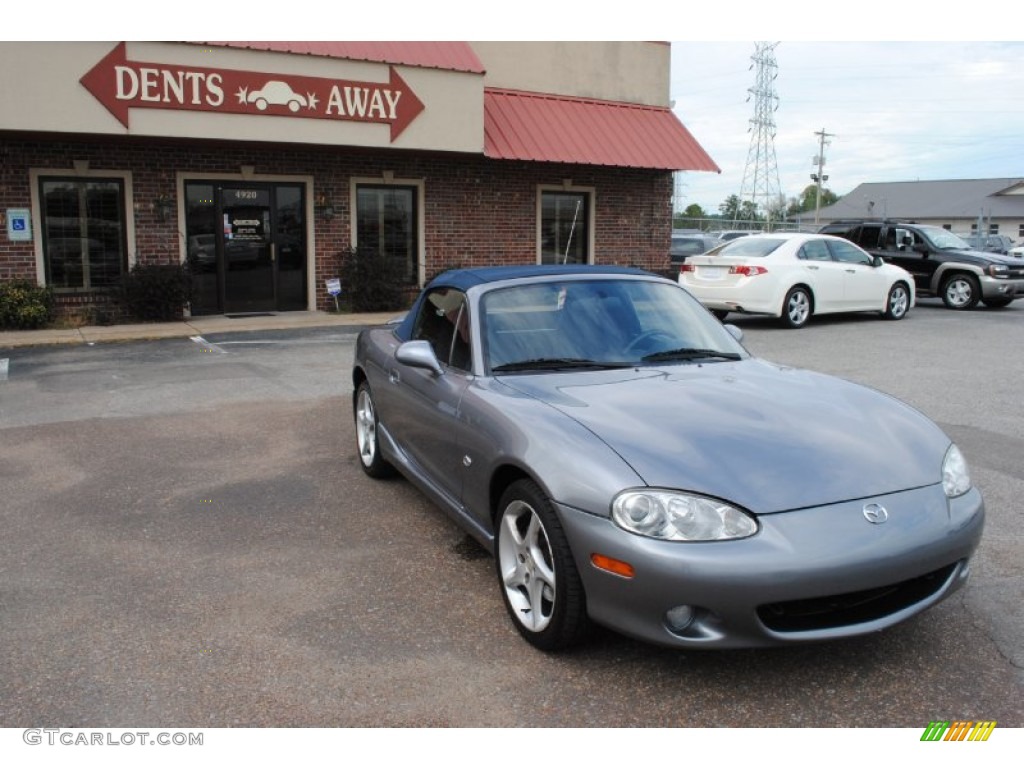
x=560 y=129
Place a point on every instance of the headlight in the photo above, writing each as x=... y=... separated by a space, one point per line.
x=997 y=270
x=674 y=516
x=956 y=480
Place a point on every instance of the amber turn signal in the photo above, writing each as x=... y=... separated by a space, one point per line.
x=612 y=565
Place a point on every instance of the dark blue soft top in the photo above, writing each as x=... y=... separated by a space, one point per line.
x=464 y=279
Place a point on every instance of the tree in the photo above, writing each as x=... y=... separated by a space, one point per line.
x=691 y=218
x=808 y=200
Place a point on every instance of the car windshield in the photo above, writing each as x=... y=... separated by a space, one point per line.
x=749 y=246
x=598 y=324
x=945 y=240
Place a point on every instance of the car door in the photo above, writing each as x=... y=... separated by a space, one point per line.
x=826 y=276
x=903 y=247
x=864 y=285
x=425 y=405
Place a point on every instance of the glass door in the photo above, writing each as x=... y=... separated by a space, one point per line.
x=250 y=269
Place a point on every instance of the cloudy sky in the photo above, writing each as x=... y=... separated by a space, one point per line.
x=899 y=111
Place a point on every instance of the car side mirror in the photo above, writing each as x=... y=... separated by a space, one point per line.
x=921 y=248
x=734 y=331
x=418 y=354
x=877 y=261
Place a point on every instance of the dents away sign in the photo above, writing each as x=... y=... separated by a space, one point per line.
x=119 y=85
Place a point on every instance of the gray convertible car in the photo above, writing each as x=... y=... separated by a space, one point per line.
x=629 y=464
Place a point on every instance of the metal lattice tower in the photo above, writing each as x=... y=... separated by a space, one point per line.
x=761 y=174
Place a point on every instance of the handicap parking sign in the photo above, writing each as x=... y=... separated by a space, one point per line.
x=19 y=224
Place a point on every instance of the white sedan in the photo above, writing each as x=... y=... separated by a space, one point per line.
x=793 y=276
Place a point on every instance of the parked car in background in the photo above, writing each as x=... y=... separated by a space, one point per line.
x=942 y=264
x=685 y=245
x=629 y=464
x=991 y=243
x=731 y=234
x=1017 y=251
x=794 y=276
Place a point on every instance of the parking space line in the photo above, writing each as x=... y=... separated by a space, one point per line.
x=3 y=369
x=207 y=346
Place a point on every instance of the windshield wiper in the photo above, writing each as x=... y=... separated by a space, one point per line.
x=554 y=364
x=689 y=353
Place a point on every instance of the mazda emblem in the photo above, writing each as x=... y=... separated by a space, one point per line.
x=875 y=513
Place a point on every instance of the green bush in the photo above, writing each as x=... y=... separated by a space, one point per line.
x=373 y=283
x=156 y=292
x=23 y=304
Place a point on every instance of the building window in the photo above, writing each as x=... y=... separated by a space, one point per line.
x=83 y=232
x=387 y=224
x=1020 y=230
x=564 y=227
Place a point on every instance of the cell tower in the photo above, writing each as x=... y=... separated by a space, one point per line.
x=761 y=174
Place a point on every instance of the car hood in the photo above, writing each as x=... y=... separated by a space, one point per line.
x=766 y=437
x=987 y=256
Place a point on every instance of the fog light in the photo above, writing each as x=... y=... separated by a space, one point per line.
x=679 y=618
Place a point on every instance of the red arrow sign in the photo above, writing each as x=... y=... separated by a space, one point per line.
x=120 y=85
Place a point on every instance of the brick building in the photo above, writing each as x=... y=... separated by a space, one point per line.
x=260 y=164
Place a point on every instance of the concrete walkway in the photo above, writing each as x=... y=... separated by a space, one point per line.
x=193 y=326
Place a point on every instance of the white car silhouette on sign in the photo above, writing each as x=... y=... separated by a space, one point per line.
x=278 y=93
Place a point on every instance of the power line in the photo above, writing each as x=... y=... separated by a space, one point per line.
x=761 y=174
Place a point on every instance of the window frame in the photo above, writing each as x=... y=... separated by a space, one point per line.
x=567 y=188
x=389 y=180
x=80 y=172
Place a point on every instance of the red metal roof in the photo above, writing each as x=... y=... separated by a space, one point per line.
x=455 y=56
x=560 y=129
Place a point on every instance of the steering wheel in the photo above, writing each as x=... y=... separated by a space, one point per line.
x=641 y=341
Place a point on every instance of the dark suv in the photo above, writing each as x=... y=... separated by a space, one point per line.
x=942 y=264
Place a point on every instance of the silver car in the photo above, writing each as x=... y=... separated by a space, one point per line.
x=629 y=464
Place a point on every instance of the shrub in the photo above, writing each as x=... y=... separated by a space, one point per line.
x=373 y=283
x=23 y=304
x=156 y=291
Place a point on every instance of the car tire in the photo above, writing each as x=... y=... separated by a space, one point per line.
x=261 y=104
x=797 y=308
x=961 y=291
x=898 y=303
x=999 y=303
x=367 y=444
x=537 y=574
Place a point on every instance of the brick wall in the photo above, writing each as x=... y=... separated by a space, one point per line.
x=477 y=211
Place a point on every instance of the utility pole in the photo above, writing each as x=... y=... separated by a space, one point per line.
x=819 y=178
x=761 y=175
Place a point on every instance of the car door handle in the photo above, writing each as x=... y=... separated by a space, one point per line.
x=852 y=271
x=393 y=376
x=812 y=267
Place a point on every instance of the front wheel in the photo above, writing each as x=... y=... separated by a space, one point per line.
x=367 y=443
x=961 y=292
x=796 y=309
x=539 y=582
x=898 y=303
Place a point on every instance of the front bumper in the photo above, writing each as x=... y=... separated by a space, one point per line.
x=808 y=575
x=995 y=288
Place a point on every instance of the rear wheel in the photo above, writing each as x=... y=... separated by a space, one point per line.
x=796 y=309
x=539 y=582
x=898 y=303
x=961 y=291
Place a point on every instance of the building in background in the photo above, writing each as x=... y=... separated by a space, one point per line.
x=260 y=164
x=958 y=205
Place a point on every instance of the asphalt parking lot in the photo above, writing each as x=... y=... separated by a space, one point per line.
x=189 y=540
